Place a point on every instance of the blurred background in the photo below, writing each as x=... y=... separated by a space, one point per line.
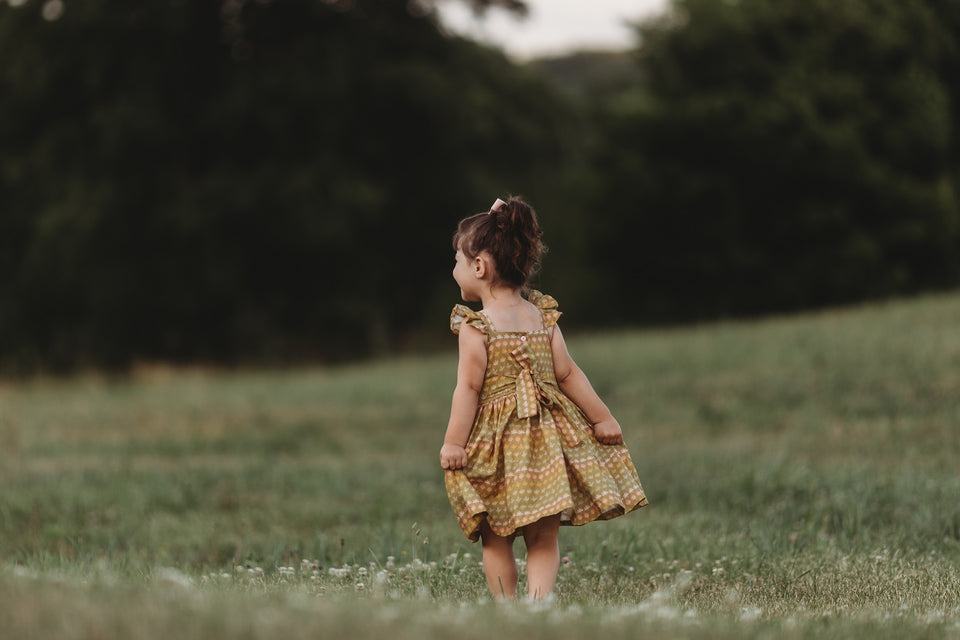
x=263 y=182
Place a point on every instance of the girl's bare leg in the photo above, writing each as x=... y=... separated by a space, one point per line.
x=543 y=555
x=499 y=564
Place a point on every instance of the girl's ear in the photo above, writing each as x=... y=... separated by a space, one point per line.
x=479 y=267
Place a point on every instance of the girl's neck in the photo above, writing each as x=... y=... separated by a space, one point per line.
x=508 y=311
x=501 y=298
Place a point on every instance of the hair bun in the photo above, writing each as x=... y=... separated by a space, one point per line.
x=511 y=233
x=515 y=215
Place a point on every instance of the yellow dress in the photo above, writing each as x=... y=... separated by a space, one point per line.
x=530 y=453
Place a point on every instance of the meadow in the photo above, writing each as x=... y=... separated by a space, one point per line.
x=803 y=476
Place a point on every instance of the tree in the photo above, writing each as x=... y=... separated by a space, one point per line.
x=244 y=181
x=784 y=154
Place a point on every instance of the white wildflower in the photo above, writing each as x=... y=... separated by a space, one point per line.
x=169 y=575
x=932 y=617
x=750 y=613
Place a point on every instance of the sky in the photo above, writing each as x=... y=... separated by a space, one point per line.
x=552 y=26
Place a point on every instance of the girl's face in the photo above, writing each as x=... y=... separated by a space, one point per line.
x=464 y=274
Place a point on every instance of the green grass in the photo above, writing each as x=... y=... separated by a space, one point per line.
x=803 y=474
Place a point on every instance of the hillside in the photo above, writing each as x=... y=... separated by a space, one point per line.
x=802 y=474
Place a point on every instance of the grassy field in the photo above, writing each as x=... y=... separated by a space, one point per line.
x=803 y=474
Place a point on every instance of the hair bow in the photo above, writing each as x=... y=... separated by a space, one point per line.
x=497 y=205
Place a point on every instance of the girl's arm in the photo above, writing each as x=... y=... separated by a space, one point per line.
x=574 y=384
x=463 y=409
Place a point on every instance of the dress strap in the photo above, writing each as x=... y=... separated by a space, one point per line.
x=463 y=314
x=548 y=307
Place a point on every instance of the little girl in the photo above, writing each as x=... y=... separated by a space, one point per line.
x=530 y=445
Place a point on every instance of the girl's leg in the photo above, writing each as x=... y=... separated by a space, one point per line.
x=499 y=564
x=543 y=555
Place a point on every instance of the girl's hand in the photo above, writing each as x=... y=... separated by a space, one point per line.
x=453 y=456
x=608 y=432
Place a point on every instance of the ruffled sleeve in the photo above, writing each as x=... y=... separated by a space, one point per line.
x=463 y=314
x=548 y=307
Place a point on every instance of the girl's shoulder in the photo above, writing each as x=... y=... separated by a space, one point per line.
x=547 y=306
x=462 y=314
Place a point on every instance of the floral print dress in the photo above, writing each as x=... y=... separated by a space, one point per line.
x=531 y=453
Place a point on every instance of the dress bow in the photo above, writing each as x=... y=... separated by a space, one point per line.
x=532 y=397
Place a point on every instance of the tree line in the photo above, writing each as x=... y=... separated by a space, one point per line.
x=277 y=180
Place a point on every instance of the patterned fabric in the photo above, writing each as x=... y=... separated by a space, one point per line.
x=530 y=452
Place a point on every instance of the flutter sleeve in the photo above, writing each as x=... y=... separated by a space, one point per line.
x=548 y=307
x=463 y=314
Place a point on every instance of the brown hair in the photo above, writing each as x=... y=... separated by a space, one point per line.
x=511 y=235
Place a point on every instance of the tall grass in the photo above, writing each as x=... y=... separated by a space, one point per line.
x=802 y=473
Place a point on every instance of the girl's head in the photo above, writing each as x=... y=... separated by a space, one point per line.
x=510 y=234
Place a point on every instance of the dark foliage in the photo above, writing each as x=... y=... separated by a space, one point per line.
x=785 y=154
x=273 y=180
x=245 y=181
